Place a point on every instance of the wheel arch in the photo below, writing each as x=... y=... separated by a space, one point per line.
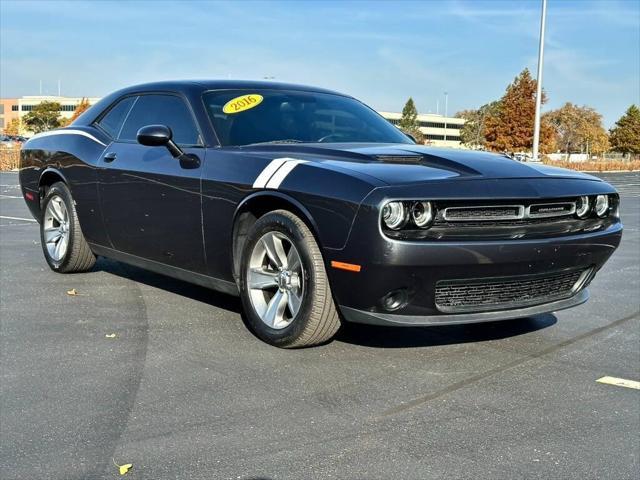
x=48 y=177
x=250 y=210
x=51 y=175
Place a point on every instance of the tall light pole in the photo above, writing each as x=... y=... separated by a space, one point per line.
x=536 y=124
x=446 y=111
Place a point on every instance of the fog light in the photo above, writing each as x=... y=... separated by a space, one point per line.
x=602 y=205
x=395 y=300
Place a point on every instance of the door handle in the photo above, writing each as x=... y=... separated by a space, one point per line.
x=110 y=157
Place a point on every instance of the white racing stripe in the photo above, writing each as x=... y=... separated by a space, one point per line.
x=268 y=172
x=282 y=172
x=275 y=173
x=67 y=132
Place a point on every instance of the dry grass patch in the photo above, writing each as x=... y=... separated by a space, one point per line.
x=597 y=165
x=9 y=158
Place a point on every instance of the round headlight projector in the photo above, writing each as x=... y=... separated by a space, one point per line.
x=394 y=215
x=583 y=207
x=422 y=214
x=602 y=205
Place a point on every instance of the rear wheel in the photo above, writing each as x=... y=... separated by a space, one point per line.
x=63 y=244
x=284 y=286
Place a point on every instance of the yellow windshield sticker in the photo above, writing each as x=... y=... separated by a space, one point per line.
x=242 y=103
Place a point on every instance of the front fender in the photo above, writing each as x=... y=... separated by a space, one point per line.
x=331 y=196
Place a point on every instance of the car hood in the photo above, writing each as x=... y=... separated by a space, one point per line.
x=397 y=164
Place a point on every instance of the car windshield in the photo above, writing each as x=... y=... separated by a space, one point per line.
x=249 y=117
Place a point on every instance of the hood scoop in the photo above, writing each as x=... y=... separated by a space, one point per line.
x=403 y=159
x=428 y=161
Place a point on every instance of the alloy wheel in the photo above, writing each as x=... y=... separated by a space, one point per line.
x=275 y=280
x=56 y=228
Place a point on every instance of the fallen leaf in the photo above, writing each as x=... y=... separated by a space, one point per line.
x=123 y=468
x=110 y=335
x=72 y=292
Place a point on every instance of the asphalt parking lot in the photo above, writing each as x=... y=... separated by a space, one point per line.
x=143 y=369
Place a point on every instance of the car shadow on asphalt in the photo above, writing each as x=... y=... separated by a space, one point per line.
x=169 y=284
x=406 y=337
x=352 y=333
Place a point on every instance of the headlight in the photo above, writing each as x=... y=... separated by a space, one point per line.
x=422 y=214
x=394 y=215
x=583 y=206
x=602 y=205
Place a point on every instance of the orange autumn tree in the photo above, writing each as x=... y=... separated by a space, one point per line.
x=80 y=108
x=510 y=127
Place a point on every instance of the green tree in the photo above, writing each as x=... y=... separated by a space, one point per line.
x=44 y=116
x=625 y=135
x=510 y=128
x=409 y=121
x=578 y=129
x=473 y=132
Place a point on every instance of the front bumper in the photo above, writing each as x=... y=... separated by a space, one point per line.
x=388 y=319
x=417 y=267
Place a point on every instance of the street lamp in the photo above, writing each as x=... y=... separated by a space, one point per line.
x=536 y=123
x=446 y=109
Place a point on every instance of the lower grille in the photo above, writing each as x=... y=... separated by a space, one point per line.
x=487 y=294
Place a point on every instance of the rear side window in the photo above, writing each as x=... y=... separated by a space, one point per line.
x=166 y=110
x=112 y=121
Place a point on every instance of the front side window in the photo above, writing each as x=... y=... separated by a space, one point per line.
x=168 y=110
x=243 y=117
x=112 y=121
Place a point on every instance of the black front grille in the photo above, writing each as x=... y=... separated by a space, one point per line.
x=479 y=295
x=483 y=213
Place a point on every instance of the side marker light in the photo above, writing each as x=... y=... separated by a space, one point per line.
x=350 y=267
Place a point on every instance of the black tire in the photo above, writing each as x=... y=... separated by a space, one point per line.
x=78 y=256
x=317 y=320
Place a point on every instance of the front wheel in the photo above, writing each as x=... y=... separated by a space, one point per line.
x=283 y=283
x=63 y=243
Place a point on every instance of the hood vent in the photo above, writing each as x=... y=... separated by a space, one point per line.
x=404 y=159
x=427 y=160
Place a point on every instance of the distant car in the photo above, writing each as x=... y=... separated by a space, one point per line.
x=7 y=141
x=314 y=209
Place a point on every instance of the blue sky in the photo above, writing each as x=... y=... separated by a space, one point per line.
x=380 y=52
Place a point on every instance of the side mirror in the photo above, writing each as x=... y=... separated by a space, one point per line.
x=159 y=136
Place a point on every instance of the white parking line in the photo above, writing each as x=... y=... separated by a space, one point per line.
x=18 y=218
x=620 y=382
x=8 y=196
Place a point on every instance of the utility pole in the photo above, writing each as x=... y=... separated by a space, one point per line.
x=536 y=124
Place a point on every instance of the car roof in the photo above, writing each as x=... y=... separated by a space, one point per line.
x=197 y=86
x=191 y=88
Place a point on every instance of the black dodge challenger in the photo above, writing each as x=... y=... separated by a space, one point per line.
x=314 y=209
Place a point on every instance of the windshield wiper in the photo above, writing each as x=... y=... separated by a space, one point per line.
x=289 y=140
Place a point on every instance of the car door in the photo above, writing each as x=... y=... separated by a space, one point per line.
x=150 y=200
